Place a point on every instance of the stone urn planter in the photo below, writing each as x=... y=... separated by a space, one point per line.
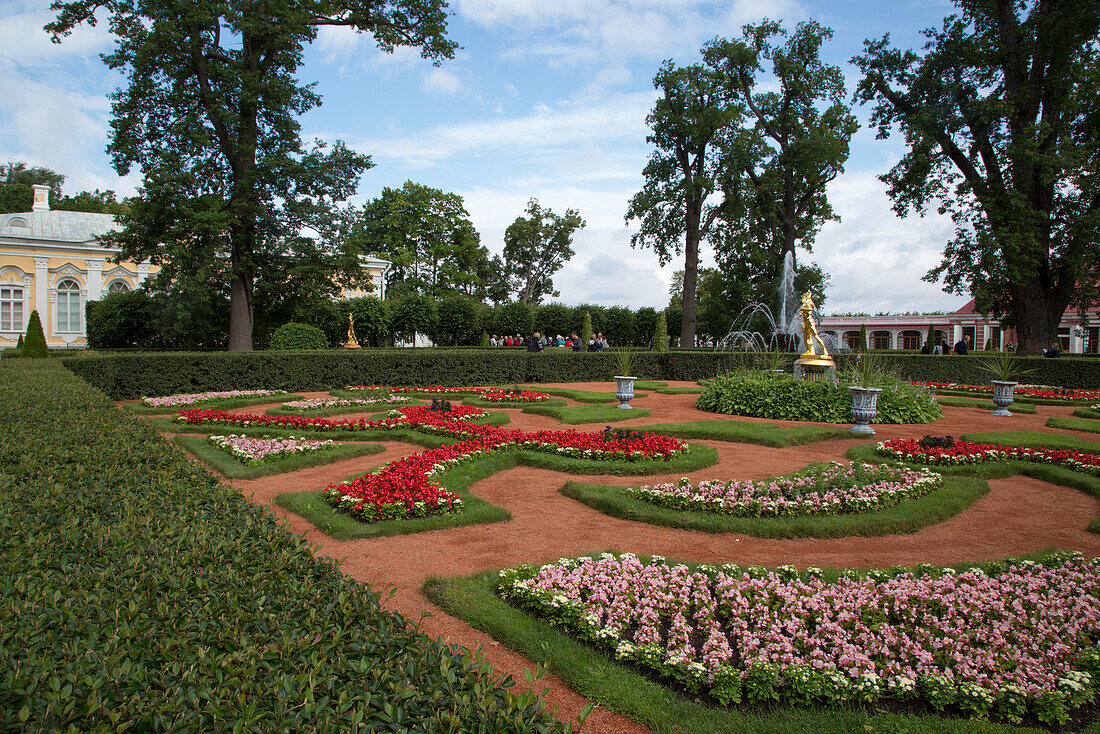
x=624 y=390
x=1002 y=396
x=864 y=408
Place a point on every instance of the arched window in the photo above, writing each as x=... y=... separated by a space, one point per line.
x=118 y=286
x=880 y=340
x=68 y=306
x=11 y=308
x=910 y=339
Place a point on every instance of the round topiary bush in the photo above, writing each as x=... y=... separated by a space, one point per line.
x=782 y=397
x=298 y=336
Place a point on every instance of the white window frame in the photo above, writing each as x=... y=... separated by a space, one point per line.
x=18 y=298
x=69 y=293
x=126 y=287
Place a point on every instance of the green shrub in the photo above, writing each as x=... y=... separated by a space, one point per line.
x=660 y=334
x=138 y=594
x=299 y=336
x=586 y=331
x=34 y=343
x=782 y=397
x=121 y=320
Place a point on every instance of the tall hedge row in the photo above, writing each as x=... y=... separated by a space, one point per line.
x=139 y=594
x=132 y=375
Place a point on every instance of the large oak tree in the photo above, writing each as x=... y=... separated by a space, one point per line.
x=1001 y=119
x=209 y=114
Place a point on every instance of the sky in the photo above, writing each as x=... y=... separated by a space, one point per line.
x=543 y=99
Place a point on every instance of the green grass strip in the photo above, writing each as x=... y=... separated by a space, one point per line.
x=592 y=673
x=1034 y=438
x=649 y=384
x=956 y=494
x=226 y=404
x=982 y=404
x=581 y=396
x=764 y=434
x=1087 y=413
x=1074 y=424
x=574 y=414
x=313 y=507
x=230 y=467
x=679 y=390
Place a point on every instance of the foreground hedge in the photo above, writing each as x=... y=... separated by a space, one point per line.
x=132 y=375
x=137 y=593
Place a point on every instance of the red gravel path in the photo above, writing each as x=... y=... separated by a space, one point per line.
x=1019 y=515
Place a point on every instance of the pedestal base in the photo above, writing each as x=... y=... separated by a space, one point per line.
x=814 y=372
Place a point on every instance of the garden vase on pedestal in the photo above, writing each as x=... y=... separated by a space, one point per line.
x=1002 y=396
x=864 y=408
x=624 y=390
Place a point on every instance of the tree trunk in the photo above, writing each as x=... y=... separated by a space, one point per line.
x=1037 y=313
x=240 y=314
x=691 y=274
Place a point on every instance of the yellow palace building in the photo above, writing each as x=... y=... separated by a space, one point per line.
x=52 y=262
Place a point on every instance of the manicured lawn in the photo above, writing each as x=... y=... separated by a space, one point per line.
x=621 y=688
x=574 y=414
x=228 y=466
x=1074 y=424
x=581 y=396
x=983 y=404
x=1087 y=413
x=765 y=434
x=1034 y=438
x=1017 y=398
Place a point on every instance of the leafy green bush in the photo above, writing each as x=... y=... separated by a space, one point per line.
x=782 y=397
x=122 y=320
x=299 y=336
x=34 y=343
x=137 y=593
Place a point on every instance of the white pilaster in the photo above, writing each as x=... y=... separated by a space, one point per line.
x=956 y=334
x=143 y=273
x=1077 y=340
x=41 y=282
x=95 y=278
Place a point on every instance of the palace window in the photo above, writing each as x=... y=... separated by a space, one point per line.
x=68 y=306
x=118 y=286
x=11 y=308
x=910 y=340
x=880 y=340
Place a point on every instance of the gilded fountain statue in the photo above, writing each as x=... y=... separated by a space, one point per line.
x=815 y=363
x=352 y=342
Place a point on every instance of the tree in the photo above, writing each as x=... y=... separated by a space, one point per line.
x=645 y=324
x=586 y=331
x=553 y=318
x=516 y=318
x=17 y=193
x=930 y=340
x=210 y=113
x=1000 y=118
x=371 y=319
x=536 y=247
x=122 y=320
x=777 y=169
x=34 y=343
x=427 y=235
x=660 y=334
x=862 y=339
x=412 y=314
x=674 y=217
x=457 y=322
x=620 y=326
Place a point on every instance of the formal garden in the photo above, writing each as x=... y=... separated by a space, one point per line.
x=387 y=548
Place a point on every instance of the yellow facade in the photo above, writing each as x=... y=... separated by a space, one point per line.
x=51 y=262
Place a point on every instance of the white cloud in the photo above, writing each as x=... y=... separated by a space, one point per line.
x=442 y=81
x=24 y=42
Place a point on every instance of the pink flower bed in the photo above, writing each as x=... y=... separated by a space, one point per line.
x=170 y=401
x=490 y=394
x=966 y=452
x=255 y=451
x=827 y=490
x=1019 y=639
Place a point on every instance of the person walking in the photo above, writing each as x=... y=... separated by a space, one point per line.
x=962 y=347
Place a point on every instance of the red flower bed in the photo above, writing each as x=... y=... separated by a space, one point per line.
x=403 y=488
x=966 y=452
x=1051 y=393
x=491 y=394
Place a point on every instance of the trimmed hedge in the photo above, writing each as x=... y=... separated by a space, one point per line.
x=139 y=594
x=133 y=374
x=293 y=335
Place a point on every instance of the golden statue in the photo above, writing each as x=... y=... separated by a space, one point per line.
x=816 y=354
x=352 y=342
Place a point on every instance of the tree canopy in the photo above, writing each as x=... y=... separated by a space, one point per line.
x=1001 y=118
x=536 y=247
x=427 y=235
x=209 y=114
x=17 y=180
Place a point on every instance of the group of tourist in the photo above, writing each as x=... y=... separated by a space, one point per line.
x=537 y=342
x=962 y=348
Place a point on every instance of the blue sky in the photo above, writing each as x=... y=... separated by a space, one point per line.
x=544 y=99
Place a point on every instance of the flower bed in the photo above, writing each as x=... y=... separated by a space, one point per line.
x=1046 y=392
x=323 y=403
x=255 y=451
x=947 y=452
x=413 y=416
x=171 y=401
x=489 y=394
x=827 y=490
x=1018 y=640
